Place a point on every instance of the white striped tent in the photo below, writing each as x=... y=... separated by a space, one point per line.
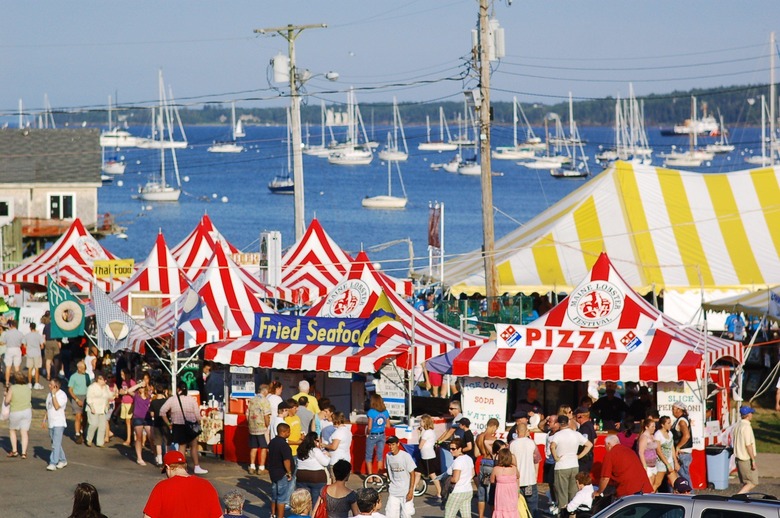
x=663 y=228
x=194 y=252
x=759 y=303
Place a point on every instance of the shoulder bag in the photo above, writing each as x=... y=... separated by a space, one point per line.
x=193 y=427
x=322 y=505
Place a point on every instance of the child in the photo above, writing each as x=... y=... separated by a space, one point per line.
x=369 y=503
x=583 y=500
x=281 y=413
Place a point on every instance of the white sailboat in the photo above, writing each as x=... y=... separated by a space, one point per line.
x=463 y=138
x=722 y=145
x=157 y=142
x=232 y=146
x=560 y=139
x=353 y=153
x=561 y=153
x=763 y=159
x=157 y=189
x=388 y=201
x=321 y=150
x=114 y=136
x=392 y=151
x=516 y=151
x=112 y=164
x=284 y=183
x=441 y=144
x=694 y=157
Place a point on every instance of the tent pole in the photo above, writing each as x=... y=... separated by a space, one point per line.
x=410 y=372
x=175 y=355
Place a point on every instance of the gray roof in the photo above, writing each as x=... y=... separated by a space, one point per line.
x=50 y=156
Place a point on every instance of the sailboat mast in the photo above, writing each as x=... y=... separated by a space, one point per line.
x=514 y=122
x=772 y=99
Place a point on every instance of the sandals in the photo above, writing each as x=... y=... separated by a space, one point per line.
x=24 y=456
x=12 y=454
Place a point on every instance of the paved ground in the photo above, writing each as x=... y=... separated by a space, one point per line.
x=29 y=490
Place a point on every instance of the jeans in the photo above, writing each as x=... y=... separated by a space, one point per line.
x=531 y=495
x=57 y=454
x=97 y=423
x=315 y=489
x=685 y=464
x=375 y=441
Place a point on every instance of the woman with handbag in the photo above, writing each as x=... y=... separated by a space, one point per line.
x=19 y=400
x=312 y=466
x=182 y=415
x=336 y=499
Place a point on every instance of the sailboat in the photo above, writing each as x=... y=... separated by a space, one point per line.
x=462 y=138
x=111 y=164
x=578 y=167
x=722 y=145
x=516 y=151
x=694 y=156
x=388 y=201
x=561 y=138
x=284 y=184
x=158 y=189
x=170 y=110
x=116 y=137
x=353 y=153
x=320 y=150
x=392 y=151
x=557 y=158
x=438 y=145
x=763 y=159
x=228 y=147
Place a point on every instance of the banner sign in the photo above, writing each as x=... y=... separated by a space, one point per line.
x=668 y=393
x=392 y=387
x=113 y=268
x=483 y=399
x=67 y=312
x=349 y=332
x=510 y=336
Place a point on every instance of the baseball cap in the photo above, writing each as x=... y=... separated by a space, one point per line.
x=521 y=414
x=679 y=404
x=582 y=410
x=681 y=485
x=173 y=457
x=392 y=439
x=745 y=410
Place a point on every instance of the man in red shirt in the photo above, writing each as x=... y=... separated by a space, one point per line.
x=623 y=469
x=181 y=494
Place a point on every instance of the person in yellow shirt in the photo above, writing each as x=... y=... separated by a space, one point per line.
x=303 y=390
x=745 y=450
x=296 y=431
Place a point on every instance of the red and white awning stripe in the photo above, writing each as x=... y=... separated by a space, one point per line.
x=194 y=252
x=7 y=290
x=669 y=351
x=69 y=261
x=160 y=274
x=394 y=339
x=315 y=264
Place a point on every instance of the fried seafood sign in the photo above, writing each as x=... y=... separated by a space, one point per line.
x=348 y=332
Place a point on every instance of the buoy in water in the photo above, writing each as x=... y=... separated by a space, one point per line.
x=224 y=199
x=120 y=183
x=186 y=178
x=214 y=195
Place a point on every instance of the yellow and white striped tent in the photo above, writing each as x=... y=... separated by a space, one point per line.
x=662 y=228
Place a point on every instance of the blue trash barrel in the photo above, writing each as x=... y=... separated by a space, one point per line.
x=718 y=466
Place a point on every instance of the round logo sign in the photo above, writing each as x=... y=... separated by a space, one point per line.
x=90 y=249
x=347 y=300
x=595 y=304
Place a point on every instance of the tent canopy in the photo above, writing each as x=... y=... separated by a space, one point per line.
x=368 y=291
x=194 y=252
x=664 y=228
x=69 y=260
x=760 y=303
x=602 y=331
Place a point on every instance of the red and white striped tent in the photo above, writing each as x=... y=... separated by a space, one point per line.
x=194 y=252
x=159 y=275
x=230 y=297
x=316 y=264
x=69 y=261
x=602 y=331
x=8 y=290
x=369 y=291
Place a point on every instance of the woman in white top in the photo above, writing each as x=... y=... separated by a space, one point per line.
x=312 y=463
x=341 y=440
x=430 y=466
x=274 y=396
x=98 y=398
x=461 y=472
x=90 y=360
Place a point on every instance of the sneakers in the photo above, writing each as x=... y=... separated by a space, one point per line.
x=61 y=464
x=252 y=469
x=200 y=471
x=29 y=385
x=51 y=467
x=260 y=469
x=79 y=439
x=38 y=386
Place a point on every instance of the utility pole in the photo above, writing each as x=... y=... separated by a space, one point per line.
x=290 y=33
x=488 y=237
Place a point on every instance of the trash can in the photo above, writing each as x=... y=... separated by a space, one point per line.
x=718 y=465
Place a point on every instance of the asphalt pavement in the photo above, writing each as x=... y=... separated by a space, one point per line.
x=28 y=489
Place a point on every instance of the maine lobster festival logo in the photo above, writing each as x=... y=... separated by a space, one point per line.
x=90 y=249
x=595 y=304
x=347 y=300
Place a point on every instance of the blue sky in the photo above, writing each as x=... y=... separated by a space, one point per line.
x=80 y=52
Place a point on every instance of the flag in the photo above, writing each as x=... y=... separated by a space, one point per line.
x=113 y=323
x=434 y=218
x=67 y=312
x=383 y=312
x=150 y=315
x=190 y=305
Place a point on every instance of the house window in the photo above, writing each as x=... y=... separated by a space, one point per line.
x=5 y=209
x=61 y=206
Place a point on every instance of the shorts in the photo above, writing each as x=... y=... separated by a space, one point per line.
x=159 y=436
x=258 y=441
x=281 y=490
x=34 y=362
x=20 y=420
x=75 y=408
x=126 y=411
x=651 y=471
x=375 y=442
x=142 y=421
x=429 y=467
x=435 y=379
x=13 y=357
x=745 y=473
x=182 y=434
x=51 y=349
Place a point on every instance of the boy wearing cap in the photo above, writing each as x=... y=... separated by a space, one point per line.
x=745 y=450
x=181 y=494
x=681 y=486
x=683 y=441
x=401 y=472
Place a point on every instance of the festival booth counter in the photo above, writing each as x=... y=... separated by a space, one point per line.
x=603 y=331
x=361 y=327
